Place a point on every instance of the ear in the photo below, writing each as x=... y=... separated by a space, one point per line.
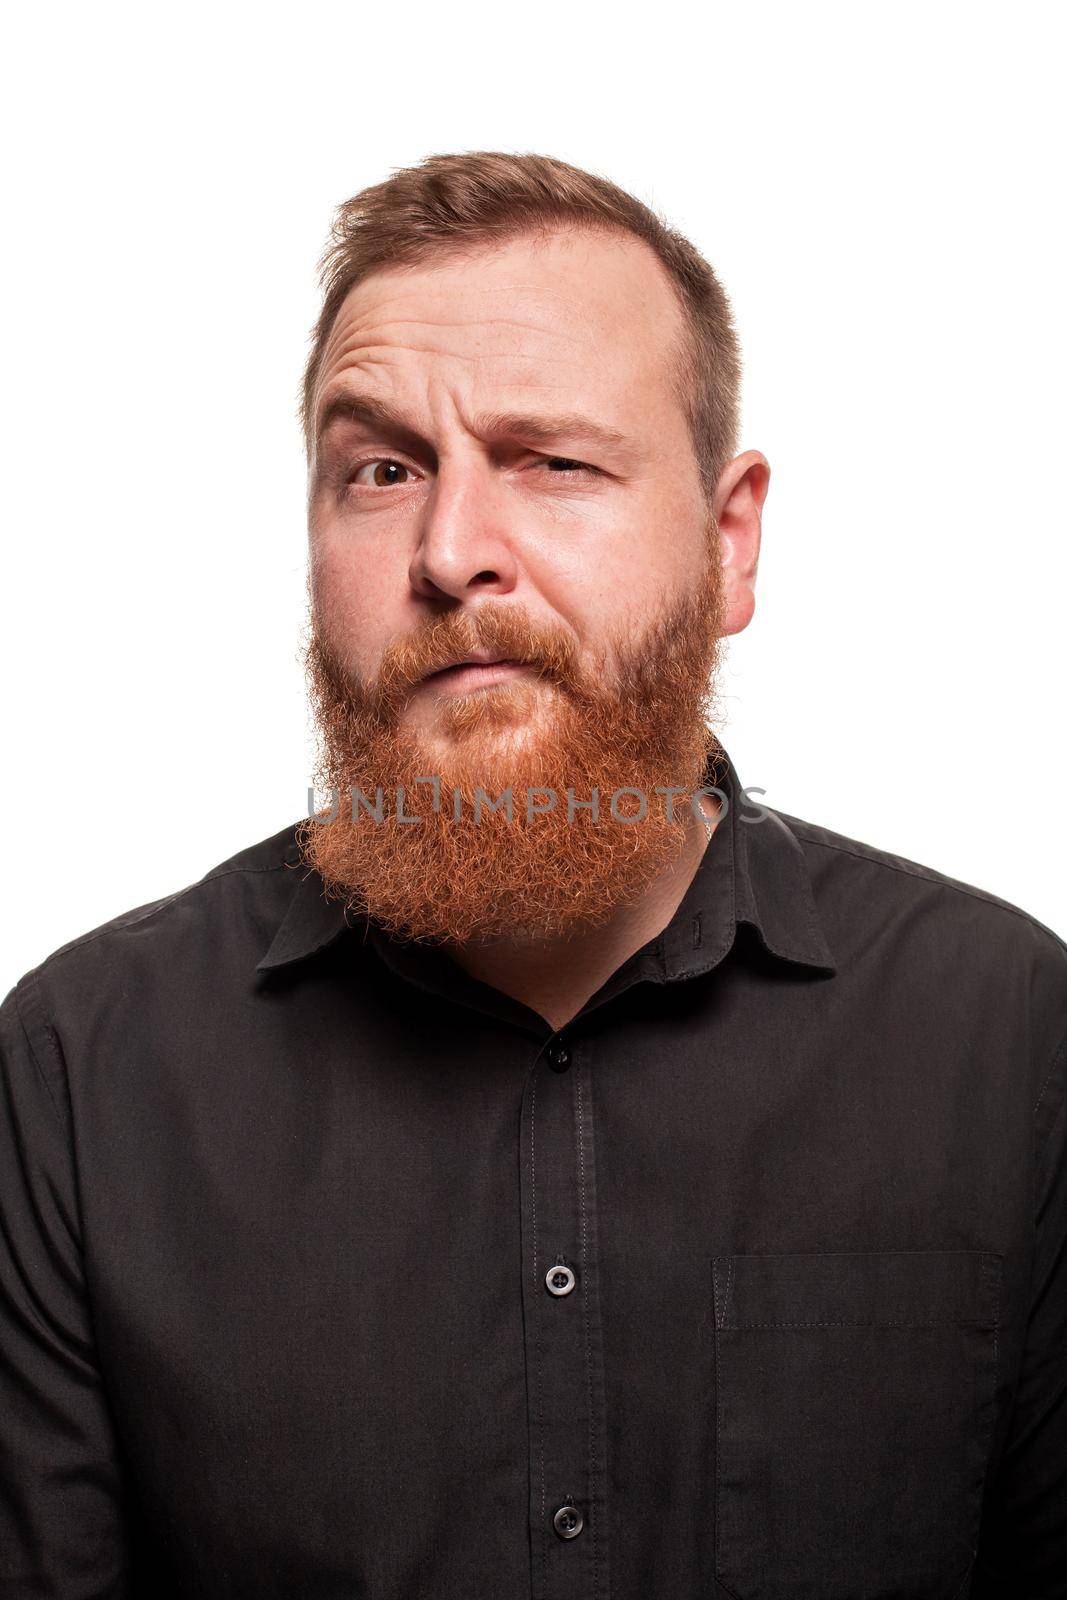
x=739 y=498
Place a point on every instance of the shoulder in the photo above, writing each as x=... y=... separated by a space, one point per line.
x=852 y=873
x=959 y=955
x=224 y=915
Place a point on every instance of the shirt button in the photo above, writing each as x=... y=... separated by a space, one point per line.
x=568 y=1522
x=559 y=1280
x=559 y=1057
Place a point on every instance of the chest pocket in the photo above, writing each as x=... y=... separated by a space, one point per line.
x=853 y=1413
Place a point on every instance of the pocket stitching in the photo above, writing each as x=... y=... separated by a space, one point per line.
x=991 y=1273
x=726 y=1295
x=989 y=1266
x=718 y=1457
x=946 y=1322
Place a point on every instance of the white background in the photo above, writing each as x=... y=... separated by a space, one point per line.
x=880 y=189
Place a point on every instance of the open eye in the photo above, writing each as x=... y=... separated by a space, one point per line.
x=383 y=474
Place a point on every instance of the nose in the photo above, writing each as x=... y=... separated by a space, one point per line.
x=465 y=545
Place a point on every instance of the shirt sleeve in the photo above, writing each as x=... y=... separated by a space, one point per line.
x=61 y=1531
x=1023 y=1548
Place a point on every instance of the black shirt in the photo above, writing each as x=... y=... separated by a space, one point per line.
x=327 y=1270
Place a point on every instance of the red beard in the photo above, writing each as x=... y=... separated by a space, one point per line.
x=637 y=720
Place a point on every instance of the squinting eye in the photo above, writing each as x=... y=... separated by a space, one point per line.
x=564 y=463
x=380 y=476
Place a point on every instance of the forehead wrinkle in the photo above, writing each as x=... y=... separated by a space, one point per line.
x=461 y=322
x=386 y=353
x=372 y=335
x=371 y=359
x=353 y=319
x=353 y=354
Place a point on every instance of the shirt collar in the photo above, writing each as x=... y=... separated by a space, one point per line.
x=752 y=873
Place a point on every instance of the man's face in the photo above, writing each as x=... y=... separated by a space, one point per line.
x=502 y=467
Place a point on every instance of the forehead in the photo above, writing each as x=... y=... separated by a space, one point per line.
x=575 y=314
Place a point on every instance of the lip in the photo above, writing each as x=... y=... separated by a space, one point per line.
x=470 y=675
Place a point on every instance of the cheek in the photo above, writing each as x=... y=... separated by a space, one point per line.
x=607 y=578
x=355 y=600
x=623 y=567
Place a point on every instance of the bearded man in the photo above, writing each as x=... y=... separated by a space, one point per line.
x=538 y=1171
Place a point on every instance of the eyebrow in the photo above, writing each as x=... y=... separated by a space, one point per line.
x=490 y=426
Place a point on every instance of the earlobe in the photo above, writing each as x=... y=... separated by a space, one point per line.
x=739 y=500
x=740 y=608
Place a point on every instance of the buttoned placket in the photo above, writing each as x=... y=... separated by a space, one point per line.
x=563 y=1347
x=562 y=1330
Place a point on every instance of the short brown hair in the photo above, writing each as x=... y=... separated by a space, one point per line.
x=449 y=203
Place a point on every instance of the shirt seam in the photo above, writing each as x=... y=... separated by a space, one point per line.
x=1056 y=1059
x=120 y=925
x=929 y=875
x=53 y=1050
x=1039 y=1149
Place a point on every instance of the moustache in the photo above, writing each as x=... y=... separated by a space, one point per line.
x=497 y=632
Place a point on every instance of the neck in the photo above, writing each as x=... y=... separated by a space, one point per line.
x=555 y=977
